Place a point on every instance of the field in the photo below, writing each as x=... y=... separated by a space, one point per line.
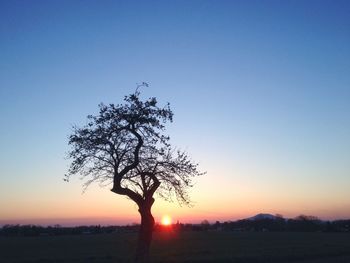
x=181 y=247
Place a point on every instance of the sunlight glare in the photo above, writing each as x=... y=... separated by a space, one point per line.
x=166 y=220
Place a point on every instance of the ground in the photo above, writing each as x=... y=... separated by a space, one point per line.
x=170 y=247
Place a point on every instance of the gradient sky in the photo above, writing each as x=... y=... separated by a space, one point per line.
x=260 y=92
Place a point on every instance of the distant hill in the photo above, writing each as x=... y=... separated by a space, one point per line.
x=262 y=216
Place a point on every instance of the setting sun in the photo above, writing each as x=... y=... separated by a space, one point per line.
x=166 y=220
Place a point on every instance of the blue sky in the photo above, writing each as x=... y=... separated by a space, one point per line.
x=260 y=92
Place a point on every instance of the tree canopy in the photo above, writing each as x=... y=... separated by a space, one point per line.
x=125 y=146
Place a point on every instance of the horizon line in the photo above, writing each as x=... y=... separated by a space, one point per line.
x=112 y=221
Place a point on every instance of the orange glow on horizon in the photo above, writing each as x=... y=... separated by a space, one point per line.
x=166 y=220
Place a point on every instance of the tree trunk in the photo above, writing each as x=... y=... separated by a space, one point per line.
x=145 y=234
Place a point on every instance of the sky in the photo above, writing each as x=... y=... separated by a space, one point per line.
x=260 y=92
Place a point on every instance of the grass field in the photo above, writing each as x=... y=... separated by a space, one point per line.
x=181 y=247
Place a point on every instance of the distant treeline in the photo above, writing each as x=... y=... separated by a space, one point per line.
x=278 y=224
x=57 y=230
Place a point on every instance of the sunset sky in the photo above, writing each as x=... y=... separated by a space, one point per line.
x=260 y=91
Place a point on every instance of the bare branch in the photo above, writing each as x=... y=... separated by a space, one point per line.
x=125 y=145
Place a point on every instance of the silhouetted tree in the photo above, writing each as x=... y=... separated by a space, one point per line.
x=305 y=223
x=125 y=146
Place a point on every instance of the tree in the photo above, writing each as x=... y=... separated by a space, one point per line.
x=125 y=146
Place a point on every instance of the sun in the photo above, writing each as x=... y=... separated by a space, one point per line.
x=166 y=220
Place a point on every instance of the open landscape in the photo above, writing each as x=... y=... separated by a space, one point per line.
x=210 y=247
x=165 y=131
